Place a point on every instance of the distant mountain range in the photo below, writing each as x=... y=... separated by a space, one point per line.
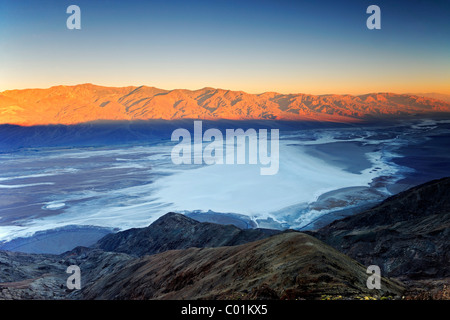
x=88 y=102
x=434 y=95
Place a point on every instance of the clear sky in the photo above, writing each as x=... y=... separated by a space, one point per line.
x=316 y=47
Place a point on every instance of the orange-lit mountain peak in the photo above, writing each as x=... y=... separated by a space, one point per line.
x=89 y=102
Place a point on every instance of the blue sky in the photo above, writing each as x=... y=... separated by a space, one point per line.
x=314 y=47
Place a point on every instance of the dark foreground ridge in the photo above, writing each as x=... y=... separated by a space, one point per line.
x=177 y=257
x=407 y=235
x=176 y=231
x=290 y=265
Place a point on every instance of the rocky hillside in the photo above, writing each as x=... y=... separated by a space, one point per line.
x=176 y=231
x=195 y=260
x=176 y=257
x=290 y=265
x=37 y=276
x=407 y=235
x=87 y=102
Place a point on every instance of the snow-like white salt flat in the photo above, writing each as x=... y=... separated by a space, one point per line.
x=15 y=186
x=93 y=196
x=242 y=189
x=54 y=205
x=130 y=187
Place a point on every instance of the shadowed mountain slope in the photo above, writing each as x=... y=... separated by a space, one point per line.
x=407 y=235
x=176 y=257
x=177 y=231
x=289 y=265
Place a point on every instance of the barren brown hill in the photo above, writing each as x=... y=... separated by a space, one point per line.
x=407 y=235
x=177 y=231
x=87 y=102
x=290 y=265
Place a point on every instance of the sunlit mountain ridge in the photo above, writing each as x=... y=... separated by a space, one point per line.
x=88 y=102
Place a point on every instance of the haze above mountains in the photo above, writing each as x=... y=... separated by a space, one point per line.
x=87 y=102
